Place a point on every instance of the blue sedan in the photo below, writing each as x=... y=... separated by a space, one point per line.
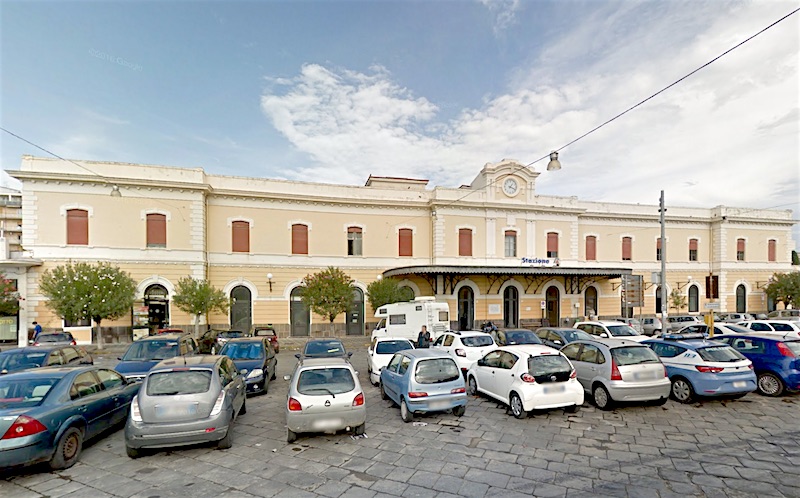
x=776 y=360
x=47 y=413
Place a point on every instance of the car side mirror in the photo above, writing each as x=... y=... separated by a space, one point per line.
x=119 y=358
x=604 y=335
x=481 y=362
x=557 y=341
x=297 y=355
x=350 y=354
x=287 y=377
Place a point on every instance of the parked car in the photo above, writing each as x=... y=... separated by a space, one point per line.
x=213 y=340
x=734 y=317
x=324 y=348
x=144 y=354
x=633 y=322
x=465 y=347
x=698 y=367
x=780 y=327
x=775 y=360
x=380 y=351
x=54 y=339
x=651 y=325
x=526 y=377
x=510 y=337
x=255 y=359
x=613 y=370
x=170 y=331
x=677 y=322
x=12 y=360
x=424 y=380
x=557 y=337
x=269 y=333
x=606 y=329
x=46 y=414
x=186 y=400
x=324 y=396
x=790 y=314
x=719 y=329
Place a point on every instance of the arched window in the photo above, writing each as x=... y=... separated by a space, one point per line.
x=741 y=299
x=590 y=302
x=694 y=299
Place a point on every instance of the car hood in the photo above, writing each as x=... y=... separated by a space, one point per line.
x=135 y=367
x=249 y=365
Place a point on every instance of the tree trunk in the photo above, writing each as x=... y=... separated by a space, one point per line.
x=99 y=335
x=197 y=326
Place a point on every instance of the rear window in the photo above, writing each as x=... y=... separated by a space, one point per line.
x=782 y=327
x=633 y=355
x=391 y=347
x=324 y=348
x=548 y=365
x=54 y=338
x=243 y=350
x=794 y=346
x=324 y=381
x=436 y=371
x=720 y=353
x=232 y=334
x=23 y=393
x=18 y=360
x=178 y=382
x=621 y=330
x=477 y=341
x=151 y=350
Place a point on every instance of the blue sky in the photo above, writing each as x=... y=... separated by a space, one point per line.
x=334 y=91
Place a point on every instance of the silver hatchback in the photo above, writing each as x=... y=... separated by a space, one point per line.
x=614 y=370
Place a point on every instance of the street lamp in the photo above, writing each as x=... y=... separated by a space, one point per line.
x=269 y=279
x=553 y=164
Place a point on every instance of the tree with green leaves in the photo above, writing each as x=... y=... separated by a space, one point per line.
x=198 y=297
x=677 y=300
x=9 y=297
x=785 y=288
x=96 y=291
x=328 y=293
x=387 y=291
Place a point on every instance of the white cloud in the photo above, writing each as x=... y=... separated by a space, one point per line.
x=504 y=13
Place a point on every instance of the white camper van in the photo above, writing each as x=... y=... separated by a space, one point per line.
x=406 y=319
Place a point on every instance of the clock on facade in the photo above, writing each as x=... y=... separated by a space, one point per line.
x=510 y=186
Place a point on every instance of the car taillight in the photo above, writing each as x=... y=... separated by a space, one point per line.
x=417 y=394
x=136 y=414
x=750 y=366
x=573 y=374
x=73 y=343
x=705 y=369
x=359 y=400
x=526 y=377
x=294 y=405
x=218 y=405
x=615 y=375
x=24 y=426
x=461 y=352
x=458 y=390
x=665 y=372
x=784 y=350
x=36 y=344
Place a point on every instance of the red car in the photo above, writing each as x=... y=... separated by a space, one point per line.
x=270 y=334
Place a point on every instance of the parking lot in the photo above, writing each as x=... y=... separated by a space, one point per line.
x=746 y=447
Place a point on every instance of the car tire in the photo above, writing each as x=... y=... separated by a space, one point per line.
x=405 y=413
x=68 y=448
x=274 y=372
x=770 y=384
x=383 y=392
x=573 y=409
x=459 y=410
x=227 y=441
x=601 y=397
x=661 y=401
x=682 y=391
x=243 y=409
x=472 y=386
x=359 y=430
x=291 y=436
x=515 y=404
x=133 y=452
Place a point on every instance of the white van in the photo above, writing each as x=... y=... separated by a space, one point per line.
x=406 y=319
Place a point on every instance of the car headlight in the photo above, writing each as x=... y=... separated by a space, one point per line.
x=256 y=372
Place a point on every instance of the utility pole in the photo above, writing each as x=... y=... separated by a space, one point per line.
x=664 y=303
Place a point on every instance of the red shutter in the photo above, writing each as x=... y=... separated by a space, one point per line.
x=299 y=239
x=464 y=242
x=739 y=245
x=240 y=232
x=552 y=244
x=771 y=250
x=692 y=244
x=353 y=230
x=658 y=244
x=627 y=243
x=405 y=237
x=591 y=248
x=156 y=230
x=77 y=227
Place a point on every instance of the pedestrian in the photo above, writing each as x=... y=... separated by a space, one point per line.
x=37 y=329
x=424 y=338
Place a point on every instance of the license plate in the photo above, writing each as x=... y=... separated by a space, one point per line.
x=327 y=423
x=438 y=405
x=167 y=411
x=554 y=389
x=643 y=376
x=740 y=383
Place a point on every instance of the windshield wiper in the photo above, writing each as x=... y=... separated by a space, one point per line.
x=322 y=389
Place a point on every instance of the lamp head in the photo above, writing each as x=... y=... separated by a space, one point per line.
x=115 y=191
x=269 y=276
x=553 y=164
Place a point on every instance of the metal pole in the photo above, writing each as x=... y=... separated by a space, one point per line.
x=664 y=303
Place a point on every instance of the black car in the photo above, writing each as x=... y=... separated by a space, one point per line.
x=13 y=360
x=213 y=340
x=255 y=359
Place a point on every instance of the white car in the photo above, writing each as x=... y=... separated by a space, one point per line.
x=380 y=352
x=782 y=327
x=719 y=329
x=527 y=377
x=610 y=329
x=465 y=347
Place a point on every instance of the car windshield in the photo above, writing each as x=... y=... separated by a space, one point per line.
x=720 y=354
x=621 y=330
x=436 y=371
x=18 y=360
x=324 y=348
x=548 y=365
x=243 y=350
x=391 y=347
x=633 y=355
x=737 y=328
x=782 y=327
x=151 y=351
x=170 y=383
x=23 y=393
x=521 y=337
x=53 y=338
x=325 y=381
x=794 y=346
x=574 y=335
x=477 y=341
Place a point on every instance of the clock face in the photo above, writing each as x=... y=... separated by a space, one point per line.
x=510 y=186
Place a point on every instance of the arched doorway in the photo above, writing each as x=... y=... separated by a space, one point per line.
x=466 y=308
x=771 y=304
x=355 y=314
x=590 y=303
x=511 y=307
x=658 y=299
x=694 y=299
x=241 y=309
x=553 y=305
x=156 y=298
x=741 y=299
x=299 y=314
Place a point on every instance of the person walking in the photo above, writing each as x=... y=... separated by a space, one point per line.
x=424 y=338
x=37 y=329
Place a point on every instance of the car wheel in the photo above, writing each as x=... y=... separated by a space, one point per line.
x=360 y=429
x=472 y=386
x=661 y=401
x=68 y=448
x=770 y=385
x=572 y=409
x=516 y=406
x=291 y=436
x=274 y=372
x=601 y=398
x=133 y=452
x=383 y=392
x=459 y=410
x=682 y=391
x=405 y=413
x=227 y=441
x=243 y=409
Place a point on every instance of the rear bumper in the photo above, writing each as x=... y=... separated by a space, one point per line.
x=329 y=422
x=149 y=435
x=436 y=403
x=716 y=385
x=538 y=399
x=25 y=450
x=630 y=391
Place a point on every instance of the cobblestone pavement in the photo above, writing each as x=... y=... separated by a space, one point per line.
x=747 y=447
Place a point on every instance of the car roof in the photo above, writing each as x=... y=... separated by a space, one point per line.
x=236 y=340
x=59 y=372
x=202 y=360
x=609 y=342
x=424 y=353
x=517 y=330
x=161 y=337
x=530 y=350
x=32 y=349
x=558 y=329
x=697 y=343
x=332 y=361
x=384 y=339
x=467 y=333
x=602 y=322
x=777 y=337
